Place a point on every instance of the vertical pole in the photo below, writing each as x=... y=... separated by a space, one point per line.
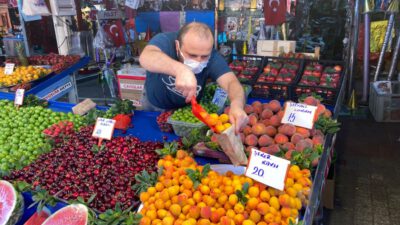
x=388 y=35
x=79 y=18
x=354 y=45
x=394 y=58
x=367 y=35
x=216 y=25
x=21 y=20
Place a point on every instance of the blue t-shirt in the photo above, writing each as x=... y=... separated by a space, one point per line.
x=160 y=88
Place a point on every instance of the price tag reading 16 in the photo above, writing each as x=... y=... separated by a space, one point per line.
x=267 y=169
x=104 y=128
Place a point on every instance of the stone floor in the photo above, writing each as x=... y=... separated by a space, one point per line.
x=368 y=174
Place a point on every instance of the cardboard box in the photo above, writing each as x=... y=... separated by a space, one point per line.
x=274 y=47
x=131 y=85
x=328 y=193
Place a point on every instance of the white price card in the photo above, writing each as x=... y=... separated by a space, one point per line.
x=299 y=114
x=9 y=68
x=267 y=169
x=104 y=128
x=220 y=97
x=19 y=97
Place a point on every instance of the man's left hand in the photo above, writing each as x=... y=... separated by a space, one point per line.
x=238 y=118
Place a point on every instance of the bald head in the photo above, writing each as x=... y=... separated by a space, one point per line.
x=199 y=30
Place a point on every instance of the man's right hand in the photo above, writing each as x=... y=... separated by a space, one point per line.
x=186 y=83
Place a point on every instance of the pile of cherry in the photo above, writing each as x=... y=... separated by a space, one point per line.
x=78 y=167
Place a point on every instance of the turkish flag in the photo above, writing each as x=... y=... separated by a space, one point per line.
x=115 y=29
x=274 y=12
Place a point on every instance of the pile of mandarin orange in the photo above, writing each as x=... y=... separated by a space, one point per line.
x=219 y=123
x=22 y=74
x=174 y=200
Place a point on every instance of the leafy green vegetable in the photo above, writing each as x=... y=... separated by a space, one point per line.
x=22 y=186
x=32 y=100
x=145 y=180
x=304 y=159
x=122 y=107
x=242 y=193
x=196 y=175
x=41 y=198
x=327 y=125
x=169 y=149
x=117 y=216
x=316 y=96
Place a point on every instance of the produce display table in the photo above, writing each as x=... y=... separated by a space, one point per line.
x=323 y=166
x=57 y=85
x=144 y=126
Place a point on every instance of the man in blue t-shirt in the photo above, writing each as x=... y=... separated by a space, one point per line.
x=178 y=66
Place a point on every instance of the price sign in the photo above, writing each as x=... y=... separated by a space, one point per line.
x=104 y=128
x=9 y=69
x=299 y=114
x=220 y=97
x=267 y=169
x=19 y=97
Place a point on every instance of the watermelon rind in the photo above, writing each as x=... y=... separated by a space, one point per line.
x=16 y=209
x=69 y=219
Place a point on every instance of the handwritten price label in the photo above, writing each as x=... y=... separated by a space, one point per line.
x=267 y=169
x=19 y=97
x=9 y=68
x=299 y=114
x=104 y=128
x=220 y=97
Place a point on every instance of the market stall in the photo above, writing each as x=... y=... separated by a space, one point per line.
x=103 y=179
x=51 y=84
x=146 y=128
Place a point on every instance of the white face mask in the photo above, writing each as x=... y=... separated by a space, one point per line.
x=195 y=66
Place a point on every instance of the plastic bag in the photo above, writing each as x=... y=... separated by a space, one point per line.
x=102 y=40
x=233 y=147
x=111 y=81
x=35 y=7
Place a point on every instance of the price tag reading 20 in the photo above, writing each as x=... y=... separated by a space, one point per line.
x=104 y=128
x=267 y=169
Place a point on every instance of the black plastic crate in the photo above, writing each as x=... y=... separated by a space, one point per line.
x=246 y=67
x=321 y=82
x=277 y=77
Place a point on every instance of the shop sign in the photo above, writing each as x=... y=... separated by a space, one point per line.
x=109 y=15
x=56 y=90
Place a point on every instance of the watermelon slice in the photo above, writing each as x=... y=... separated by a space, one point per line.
x=75 y=214
x=38 y=217
x=11 y=204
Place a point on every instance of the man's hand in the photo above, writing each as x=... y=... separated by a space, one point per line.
x=238 y=117
x=186 y=83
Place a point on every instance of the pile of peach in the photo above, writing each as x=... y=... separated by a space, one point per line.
x=265 y=131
